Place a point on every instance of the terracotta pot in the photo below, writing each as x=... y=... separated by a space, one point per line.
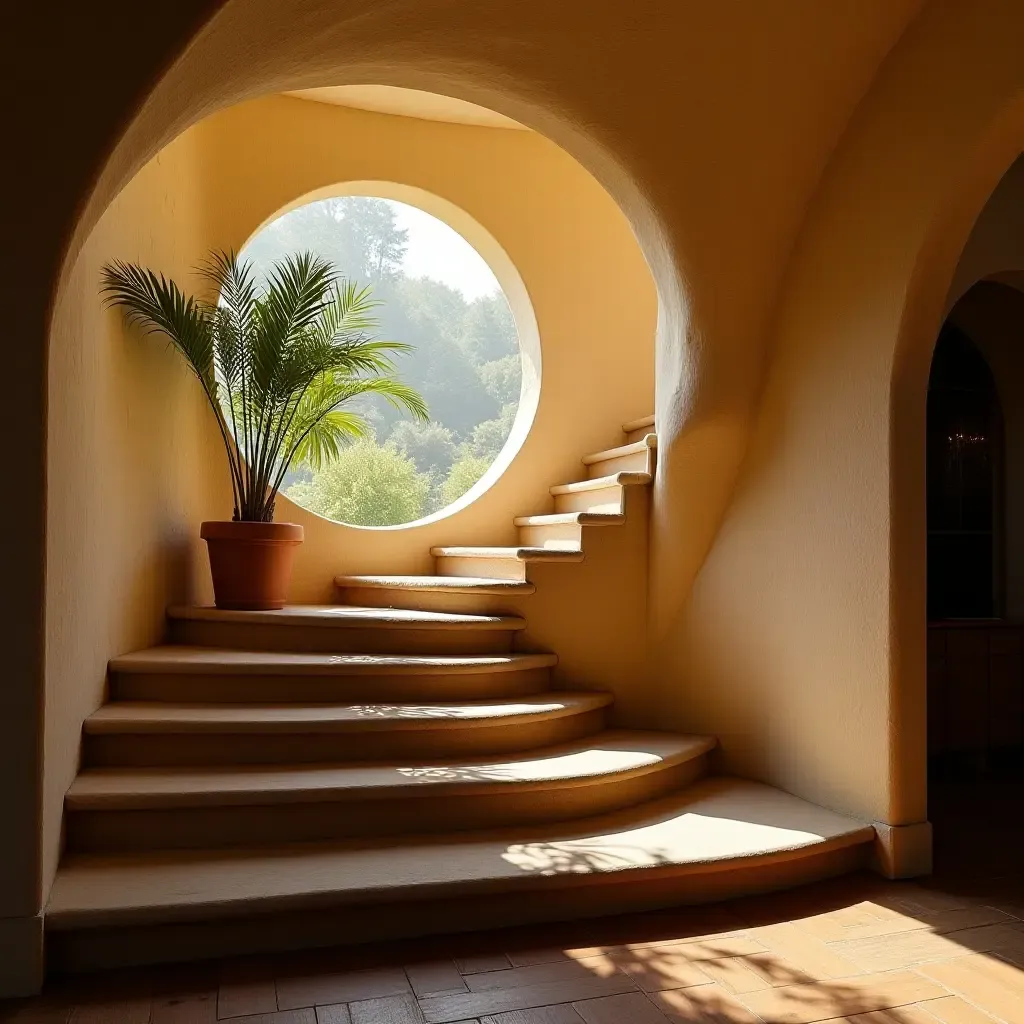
x=251 y=562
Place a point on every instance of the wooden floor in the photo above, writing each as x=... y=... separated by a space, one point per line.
x=949 y=949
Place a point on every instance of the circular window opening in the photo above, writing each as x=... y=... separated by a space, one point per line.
x=438 y=295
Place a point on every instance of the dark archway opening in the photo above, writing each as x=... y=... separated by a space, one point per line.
x=964 y=445
x=975 y=628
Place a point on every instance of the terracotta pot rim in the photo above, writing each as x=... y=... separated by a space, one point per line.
x=233 y=530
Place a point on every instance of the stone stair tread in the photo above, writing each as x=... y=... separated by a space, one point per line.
x=442 y=584
x=122 y=717
x=347 y=616
x=572 y=519
x=182 y=660
x=600 y=758
x=715 y=825
x=638 y=424
x=633 y=448
x=520 y=554
x=600 y=482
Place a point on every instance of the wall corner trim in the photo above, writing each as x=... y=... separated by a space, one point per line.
x=903 y=851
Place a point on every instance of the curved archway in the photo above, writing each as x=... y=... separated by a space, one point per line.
x=553 y=234
x=964 y=455
x=673 y=185
x=932 y=290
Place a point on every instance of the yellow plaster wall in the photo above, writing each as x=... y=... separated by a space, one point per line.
x=133 y=449
x=802 y=195
x=136 y=460
x=589 y=287
x=803 y=644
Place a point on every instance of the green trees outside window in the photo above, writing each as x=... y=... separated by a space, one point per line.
x=463 y=358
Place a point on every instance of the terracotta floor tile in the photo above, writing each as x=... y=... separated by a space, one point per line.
x=304 y=1016
x=325 y=989
x=707 y=1004
x=905 y=949
x=337 y=1014
x=875 y=920
x=734 y=974
x=429 y=979
x=387 y=1010
x=915 y=898
x=901 y=1015
x=807 y=954
x=443 y=1009
x=482 y=964
x=708 y=947
x=984 y=981
x=953 y=1010
x=530 y=957
x=839 y=997
x=563 y=1013
x=542 y=974
x=659 y=967
x=631 y=1008
x=862 y=919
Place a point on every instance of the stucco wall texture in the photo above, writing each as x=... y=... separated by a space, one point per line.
x=126 y=418
x=801 y=178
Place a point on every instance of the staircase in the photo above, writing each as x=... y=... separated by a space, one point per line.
x=400 y=764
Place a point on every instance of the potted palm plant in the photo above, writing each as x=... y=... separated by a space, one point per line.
x=277 y=365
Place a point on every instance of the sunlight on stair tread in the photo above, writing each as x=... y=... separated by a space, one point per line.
x=259 y=781
x=262 y=714
x=719 y=819
x=333 y=613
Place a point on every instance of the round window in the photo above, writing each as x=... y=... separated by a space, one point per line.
x=436 y=294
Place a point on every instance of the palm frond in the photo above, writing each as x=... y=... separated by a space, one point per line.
x=157 y=305
x=321 y=444
x=235 y=284
x=276 y=366
x=348 y=312
x=395 y=392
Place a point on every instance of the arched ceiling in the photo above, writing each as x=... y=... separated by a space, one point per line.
x=387 y=99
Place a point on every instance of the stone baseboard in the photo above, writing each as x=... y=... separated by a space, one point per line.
x=903 y=851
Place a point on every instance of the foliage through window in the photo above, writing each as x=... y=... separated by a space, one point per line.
x=437 y=294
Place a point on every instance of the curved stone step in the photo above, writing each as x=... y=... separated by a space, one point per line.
x=486 y=586
x=636 y=456
x=716 y=839
x=638 y=428
x=182 y=674
x=572 y=519
x=600 y=494
x=344 y=629
x=562 y=529
x=137 y=733
x=479 y=594
x=124 y=809
x=504 y=562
